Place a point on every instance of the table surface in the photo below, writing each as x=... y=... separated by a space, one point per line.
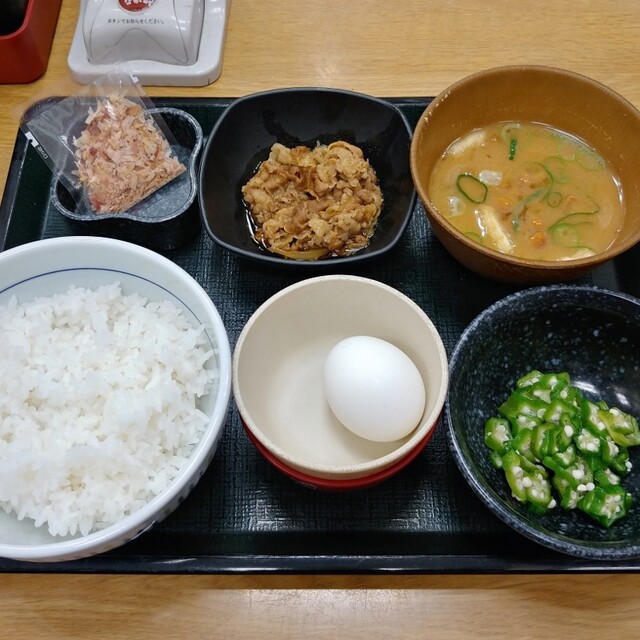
x=389 y=49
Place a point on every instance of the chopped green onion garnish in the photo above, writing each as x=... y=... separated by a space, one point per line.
x=557 y=167
x=554 y=198
x=572 y=216
x=471 y=188
x=522 y=205
x=565 y=234
x=589 y=159
x=474 y=236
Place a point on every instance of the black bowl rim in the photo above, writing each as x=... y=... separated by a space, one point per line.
x=192 y=170
x=555 y=541
x=306 y=265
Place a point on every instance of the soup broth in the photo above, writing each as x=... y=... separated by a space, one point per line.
x=529 y=190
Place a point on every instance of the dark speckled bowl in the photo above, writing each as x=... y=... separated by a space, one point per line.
x=167 y=218
x=594 y=335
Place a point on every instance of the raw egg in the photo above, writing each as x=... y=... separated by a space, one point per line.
x=373 y=388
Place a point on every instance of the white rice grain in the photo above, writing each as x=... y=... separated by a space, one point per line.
x=98 y=412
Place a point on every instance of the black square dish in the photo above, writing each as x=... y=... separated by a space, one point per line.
x=245 y=133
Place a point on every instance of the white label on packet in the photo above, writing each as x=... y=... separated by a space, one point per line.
x=36 y=145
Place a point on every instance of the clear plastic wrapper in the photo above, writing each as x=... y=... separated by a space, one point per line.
x=104 y=145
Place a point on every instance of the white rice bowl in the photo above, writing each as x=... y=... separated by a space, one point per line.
x=137 y=440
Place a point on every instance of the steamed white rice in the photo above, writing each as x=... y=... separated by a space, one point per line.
x=98 y=394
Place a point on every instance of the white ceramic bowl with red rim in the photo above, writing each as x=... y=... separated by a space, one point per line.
x=328 y=484
x=278 y=378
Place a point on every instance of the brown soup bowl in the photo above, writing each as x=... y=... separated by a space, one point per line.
x=559 y=98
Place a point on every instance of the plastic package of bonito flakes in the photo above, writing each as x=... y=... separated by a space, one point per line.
x=104 y=144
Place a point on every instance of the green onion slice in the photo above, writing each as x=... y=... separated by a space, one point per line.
x=554 y=198
x=589 y=160
x=511 y=131
x=520 y=207
x=567 y=235
x=557 y=167
x=566 y=147
x=471 y=188
x=572 y=217
x=474 y=236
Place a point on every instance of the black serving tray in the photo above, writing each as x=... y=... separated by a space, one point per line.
x=244 y=516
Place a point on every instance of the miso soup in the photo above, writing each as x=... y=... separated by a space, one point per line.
x=529 y=190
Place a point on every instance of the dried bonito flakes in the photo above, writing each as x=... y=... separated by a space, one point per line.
x=122 y=156
x=106 y=144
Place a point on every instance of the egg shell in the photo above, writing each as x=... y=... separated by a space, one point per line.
x=373 y=388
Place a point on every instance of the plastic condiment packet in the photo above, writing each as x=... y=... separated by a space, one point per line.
x=103 y=144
